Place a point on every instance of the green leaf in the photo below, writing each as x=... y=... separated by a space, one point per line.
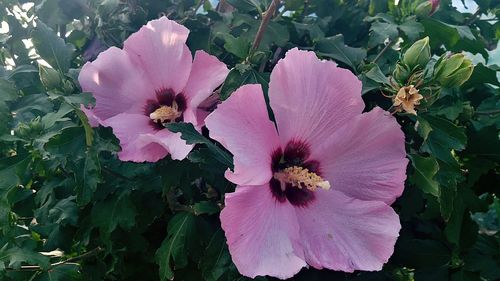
x=443 y=137
x=411 y=28
x=115 y=211
x=246 y=5
x=449 y=34
x=380 y=31
x=88 y=176
x=206 y=207
x=464 y=275
x=425 y=170
x=216 y=260
x=51 y=47
x=419 y=253
x=8 y=91
x=376 y=75
x=10 y=170
x=17 y=256
x=68 y=144
x=275 y=34
x=335 y=48
x=52 y=118
x=237 y=46
x=241 y=75
x=179 y=231
x=65 y=211
x=482 y=74
x=191 y=136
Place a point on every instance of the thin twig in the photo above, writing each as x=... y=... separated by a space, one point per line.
x=266 y=17
x=474 y=17
x=62 y=31
x=67 y=261
x=273 y=60
x=220 y=5
x=201 y=3
x=383 y=51
x=194 y=11
x=224 y=7
x=488 y=112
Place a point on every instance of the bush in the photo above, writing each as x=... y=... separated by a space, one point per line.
x=71 y=210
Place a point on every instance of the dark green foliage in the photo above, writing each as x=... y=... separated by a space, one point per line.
x=70 y=210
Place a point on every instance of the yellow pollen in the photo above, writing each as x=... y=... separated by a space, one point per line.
x=301 y=178
x=165 y=113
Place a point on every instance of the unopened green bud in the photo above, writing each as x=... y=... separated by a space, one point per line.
x=36 y=125
x=50 y=78
x=424 y=9
x=68 y=86
x=418 y=54
x=29 y=130
x=401 y=73
x=468 y=111
x=453 y=71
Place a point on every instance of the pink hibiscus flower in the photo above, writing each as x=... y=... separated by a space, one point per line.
x=152 y=81
x=315 y=189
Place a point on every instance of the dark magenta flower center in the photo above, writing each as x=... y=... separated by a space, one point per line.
x=295 y=156
x=168 y=107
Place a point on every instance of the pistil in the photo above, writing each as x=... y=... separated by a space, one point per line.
x=301 y=178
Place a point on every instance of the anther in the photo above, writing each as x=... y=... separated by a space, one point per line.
x=165 y=113
x=301 y=178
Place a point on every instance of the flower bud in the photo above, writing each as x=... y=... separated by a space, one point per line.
x=453 y=71
x=418 y=54
x=30 y=130
x=468 y=111
x=401 y=73
x=435 y=6
x=68 y=87
x=50 y=78
x=424 y=9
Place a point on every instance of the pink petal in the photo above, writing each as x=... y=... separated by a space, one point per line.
x=262 y=233
x=135 y=134
x=159 y=49
x=342 y=233
x=173 y=143
x=311 y=98
x=207 y=74
x=241 y=124
x=365 y=158
x=116 y=84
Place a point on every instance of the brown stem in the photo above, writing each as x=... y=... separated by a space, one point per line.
x=201 y=3
x=224 y=7
x=194 y=11
x=62 y=31
x=386 y=47
x=67 y=261
x=266 y=17
x=273 y=60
